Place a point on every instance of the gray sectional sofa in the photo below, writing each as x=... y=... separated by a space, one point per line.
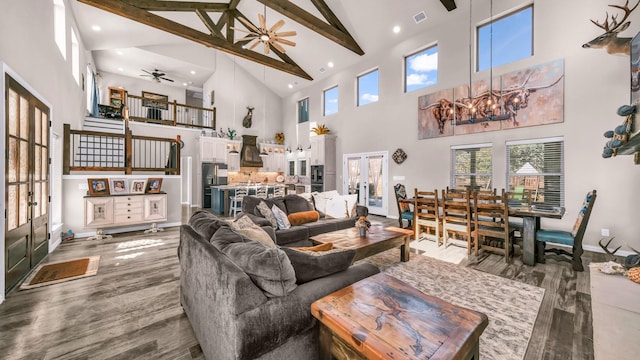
x=297 y=235
x=222 y=290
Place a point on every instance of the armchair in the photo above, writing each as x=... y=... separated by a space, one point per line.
x=404 y=206
x=572 y=238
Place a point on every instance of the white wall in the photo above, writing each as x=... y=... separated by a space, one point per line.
x=596 y=84
x=135 y=86
x=28 y=50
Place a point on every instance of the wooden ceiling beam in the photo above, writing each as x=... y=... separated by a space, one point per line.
x=153 y=5
x=449 y=4
x=206 y=19
x=301 y=16
x=126 y=10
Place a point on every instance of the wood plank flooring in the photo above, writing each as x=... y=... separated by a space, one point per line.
x=131 y=310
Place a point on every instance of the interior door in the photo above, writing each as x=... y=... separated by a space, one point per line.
x=27 y=182
x=366 y=175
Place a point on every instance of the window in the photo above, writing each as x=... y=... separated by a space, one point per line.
x=75 y=57
x=368 y=88
x=471 y=166
x=59 y=32
x=330 y=101
x=505 y=40
x=538 y=166
x=303 y=110
x=421 y=69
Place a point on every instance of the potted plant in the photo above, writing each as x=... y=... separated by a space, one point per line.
x=363 y=225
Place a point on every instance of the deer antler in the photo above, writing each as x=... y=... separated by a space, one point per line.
x=606 y=247
x=614 y=18
x=634 y=250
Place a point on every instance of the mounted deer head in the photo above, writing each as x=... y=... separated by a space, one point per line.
x=610 y=40
x=246 y=122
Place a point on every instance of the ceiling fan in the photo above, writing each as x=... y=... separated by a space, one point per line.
x=265 y=36
x=156 y=75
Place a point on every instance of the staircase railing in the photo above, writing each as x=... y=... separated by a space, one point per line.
x=101 y=151
x=170 y=113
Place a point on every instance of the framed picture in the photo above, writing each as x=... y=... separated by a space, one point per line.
x=98 y=187
x=138 y=186
x=118 y=186
x=154 y=185
x=154 y=100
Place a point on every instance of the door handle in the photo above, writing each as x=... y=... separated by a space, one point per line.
x=33 y=204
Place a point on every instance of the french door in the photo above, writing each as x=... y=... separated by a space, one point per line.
x=366 y=174
x=27 y=182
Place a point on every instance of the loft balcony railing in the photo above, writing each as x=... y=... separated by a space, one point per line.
x=170 y=113
x=102 y=151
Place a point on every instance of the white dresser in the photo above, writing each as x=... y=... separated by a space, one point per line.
x=122 y=210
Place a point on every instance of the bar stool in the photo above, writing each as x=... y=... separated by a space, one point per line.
x=235 y=201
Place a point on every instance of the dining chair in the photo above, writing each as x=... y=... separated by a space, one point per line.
x=518 y=197
x=571 y=238
x=457 y=216
x=404 y=207
x=426 y=215
x=235 y=200
x=491 y=224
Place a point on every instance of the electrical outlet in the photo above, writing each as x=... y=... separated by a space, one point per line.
x=83 y=187
x=398 y=178
x=604 y=232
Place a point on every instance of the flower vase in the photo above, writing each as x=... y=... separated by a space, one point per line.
x=363 y=231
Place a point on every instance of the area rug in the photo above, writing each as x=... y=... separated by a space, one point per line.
x=452 y=253
x=57 y=272
x=512 y=307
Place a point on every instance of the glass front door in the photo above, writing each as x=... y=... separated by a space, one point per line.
x=366 y=175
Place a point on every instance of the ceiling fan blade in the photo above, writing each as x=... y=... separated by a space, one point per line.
x=285 y=41
x=263 y=23
x=164 y=78
x=266 y=48
x=254 y=45
x=147 y=71
x=248 y=24
x=277 y=46
x=286 y=33
x=248 y=38
x=277 y=26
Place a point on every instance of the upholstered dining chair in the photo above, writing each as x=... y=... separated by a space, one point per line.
x=571 y=238
x=404 y=208
x=426 y=215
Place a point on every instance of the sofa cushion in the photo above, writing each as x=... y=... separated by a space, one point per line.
x=269 y=268
x=264 y=209
x=292 y=234
x=303 y=217
x=297 y=203
x=205 y=223
x=281 y=218
x=311 y=265
x=245 y=226
x=321 y=227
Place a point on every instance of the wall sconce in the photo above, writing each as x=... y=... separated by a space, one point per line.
x=288 y=149
x=299 y=148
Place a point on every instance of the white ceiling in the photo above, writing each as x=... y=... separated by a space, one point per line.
x=130 y=46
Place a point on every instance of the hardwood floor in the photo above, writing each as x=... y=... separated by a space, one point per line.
x=131 y=309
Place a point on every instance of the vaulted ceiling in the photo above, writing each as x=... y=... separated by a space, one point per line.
x=168 y=33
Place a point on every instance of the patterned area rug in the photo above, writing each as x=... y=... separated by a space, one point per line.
x=512 y=307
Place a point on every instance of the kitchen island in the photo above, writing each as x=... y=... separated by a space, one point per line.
x=220 y=195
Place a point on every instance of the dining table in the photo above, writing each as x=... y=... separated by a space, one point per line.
x=531 y=215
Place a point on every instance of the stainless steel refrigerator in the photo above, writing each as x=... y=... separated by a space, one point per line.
x=212 y=174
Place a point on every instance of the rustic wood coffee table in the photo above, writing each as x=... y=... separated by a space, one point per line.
x=382 y=317
x=378 y=239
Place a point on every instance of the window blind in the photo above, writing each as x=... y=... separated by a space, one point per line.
x=538 y=166
x=471 y=167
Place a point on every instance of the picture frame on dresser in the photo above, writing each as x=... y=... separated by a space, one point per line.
x=154 y=185
x=119 y=186
x=98 y=186
x=138 y=186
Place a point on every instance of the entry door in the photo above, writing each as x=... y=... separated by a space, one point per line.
x=366 y=175
x=27 y=182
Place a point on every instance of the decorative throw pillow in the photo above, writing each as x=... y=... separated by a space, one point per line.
x=322 y=247
x=311 y=265
x=303 y=217
x=336 y=208
x=245 y=226
x=320 y=200
x=263 y=208
x=281 y=218
x=269 y=268
x=352 y=205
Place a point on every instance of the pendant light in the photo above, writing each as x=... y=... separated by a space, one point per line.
x=264 y=108
x=233 y=148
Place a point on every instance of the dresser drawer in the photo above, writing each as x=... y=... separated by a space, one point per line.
x=125 y=203
x=128 y=218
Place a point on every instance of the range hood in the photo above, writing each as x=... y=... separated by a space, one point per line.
x=250 y=155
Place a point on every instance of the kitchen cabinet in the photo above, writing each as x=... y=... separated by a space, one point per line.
x=323 y=151
x=213 y=149
x=233 y=159
x=275 y=160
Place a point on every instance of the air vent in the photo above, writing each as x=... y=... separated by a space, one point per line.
x=419 y=17
x=322 y=69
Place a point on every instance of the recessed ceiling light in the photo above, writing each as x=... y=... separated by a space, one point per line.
x=193 y=72
x=185 y=84
x=96 y=28
x=330 y=64
x=396 y=29
x=290 y=86
x=119 y=52
x=190 y=82
x=121 y=69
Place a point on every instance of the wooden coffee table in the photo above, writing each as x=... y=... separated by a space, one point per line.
x=382 y=317
x=378 y=239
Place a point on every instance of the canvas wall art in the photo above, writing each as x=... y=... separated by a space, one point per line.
x=435 y=115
